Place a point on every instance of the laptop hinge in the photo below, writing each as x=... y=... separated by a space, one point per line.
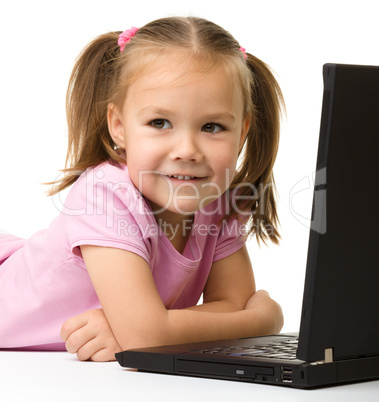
x=329 y=355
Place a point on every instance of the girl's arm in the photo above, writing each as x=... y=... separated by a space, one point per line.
x=230 y=284
x=138 y=318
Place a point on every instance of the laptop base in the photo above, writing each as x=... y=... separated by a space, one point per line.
x=188 y=360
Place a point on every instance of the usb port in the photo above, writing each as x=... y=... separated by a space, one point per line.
x=286 y=369
x=287 y=379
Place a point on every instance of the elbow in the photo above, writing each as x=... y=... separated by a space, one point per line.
x=268 y=314
x=274 y=320
x=268 y=323
x=278 y=320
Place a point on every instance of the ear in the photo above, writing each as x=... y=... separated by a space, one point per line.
x=244 y=131
x=115 y=125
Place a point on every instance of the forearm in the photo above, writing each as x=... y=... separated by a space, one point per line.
x=261 y=316
x=186 y=326
x=219 y=306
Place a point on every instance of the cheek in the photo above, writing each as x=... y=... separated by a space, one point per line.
x=142 y=162
x=226 y=157
x=226 y=164
x=225 y=172
x=141 y=154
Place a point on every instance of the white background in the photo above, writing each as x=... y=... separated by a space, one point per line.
x=39 y=41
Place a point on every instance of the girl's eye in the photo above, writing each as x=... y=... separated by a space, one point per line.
x=160 y=124
x=212 y=128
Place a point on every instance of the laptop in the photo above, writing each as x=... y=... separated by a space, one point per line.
x=338 y=341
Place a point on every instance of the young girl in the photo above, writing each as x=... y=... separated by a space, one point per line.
x=159 y=211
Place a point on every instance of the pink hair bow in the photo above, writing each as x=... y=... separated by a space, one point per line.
x=243 y=50
x=125 y=37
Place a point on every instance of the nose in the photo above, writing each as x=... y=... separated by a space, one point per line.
x=186 y=148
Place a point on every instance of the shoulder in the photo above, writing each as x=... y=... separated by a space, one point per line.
x=104 y=208
x=107 y=174
x=106 y=183
x=105 y=197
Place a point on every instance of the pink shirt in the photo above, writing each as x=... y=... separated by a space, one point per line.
x=44 y=281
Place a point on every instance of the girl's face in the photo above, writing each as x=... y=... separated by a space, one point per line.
x=181 y=136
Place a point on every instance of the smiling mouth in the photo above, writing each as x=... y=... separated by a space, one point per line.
x=180 y=177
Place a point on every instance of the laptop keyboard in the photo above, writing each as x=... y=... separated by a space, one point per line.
x=283 y=349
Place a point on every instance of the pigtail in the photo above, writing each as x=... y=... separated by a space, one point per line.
x=260 y=152
x=88 y=93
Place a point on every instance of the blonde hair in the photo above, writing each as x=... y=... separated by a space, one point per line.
x=102 y=75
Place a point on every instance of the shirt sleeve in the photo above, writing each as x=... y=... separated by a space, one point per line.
x=104 y=208
x=232 y=237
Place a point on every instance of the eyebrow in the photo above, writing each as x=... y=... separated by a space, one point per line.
x=209 y=117
x=220 y=116
x=154 y=110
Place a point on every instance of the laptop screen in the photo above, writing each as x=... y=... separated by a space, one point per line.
x=341 y=295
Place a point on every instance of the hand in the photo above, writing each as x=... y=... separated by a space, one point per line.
x=90 y=337
x=272 y=315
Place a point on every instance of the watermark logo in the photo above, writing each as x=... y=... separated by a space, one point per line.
x=117 y=201
x=317 y=185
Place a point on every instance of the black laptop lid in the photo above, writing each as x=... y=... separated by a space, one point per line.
x=341 y=294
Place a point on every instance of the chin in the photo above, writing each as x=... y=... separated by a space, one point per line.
x=185 y=209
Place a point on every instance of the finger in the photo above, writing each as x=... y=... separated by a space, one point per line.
x=103 y=355
x=72 y=325
x=89 y=349
x=78 y=339
x=262 y=291
x=99 y=349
